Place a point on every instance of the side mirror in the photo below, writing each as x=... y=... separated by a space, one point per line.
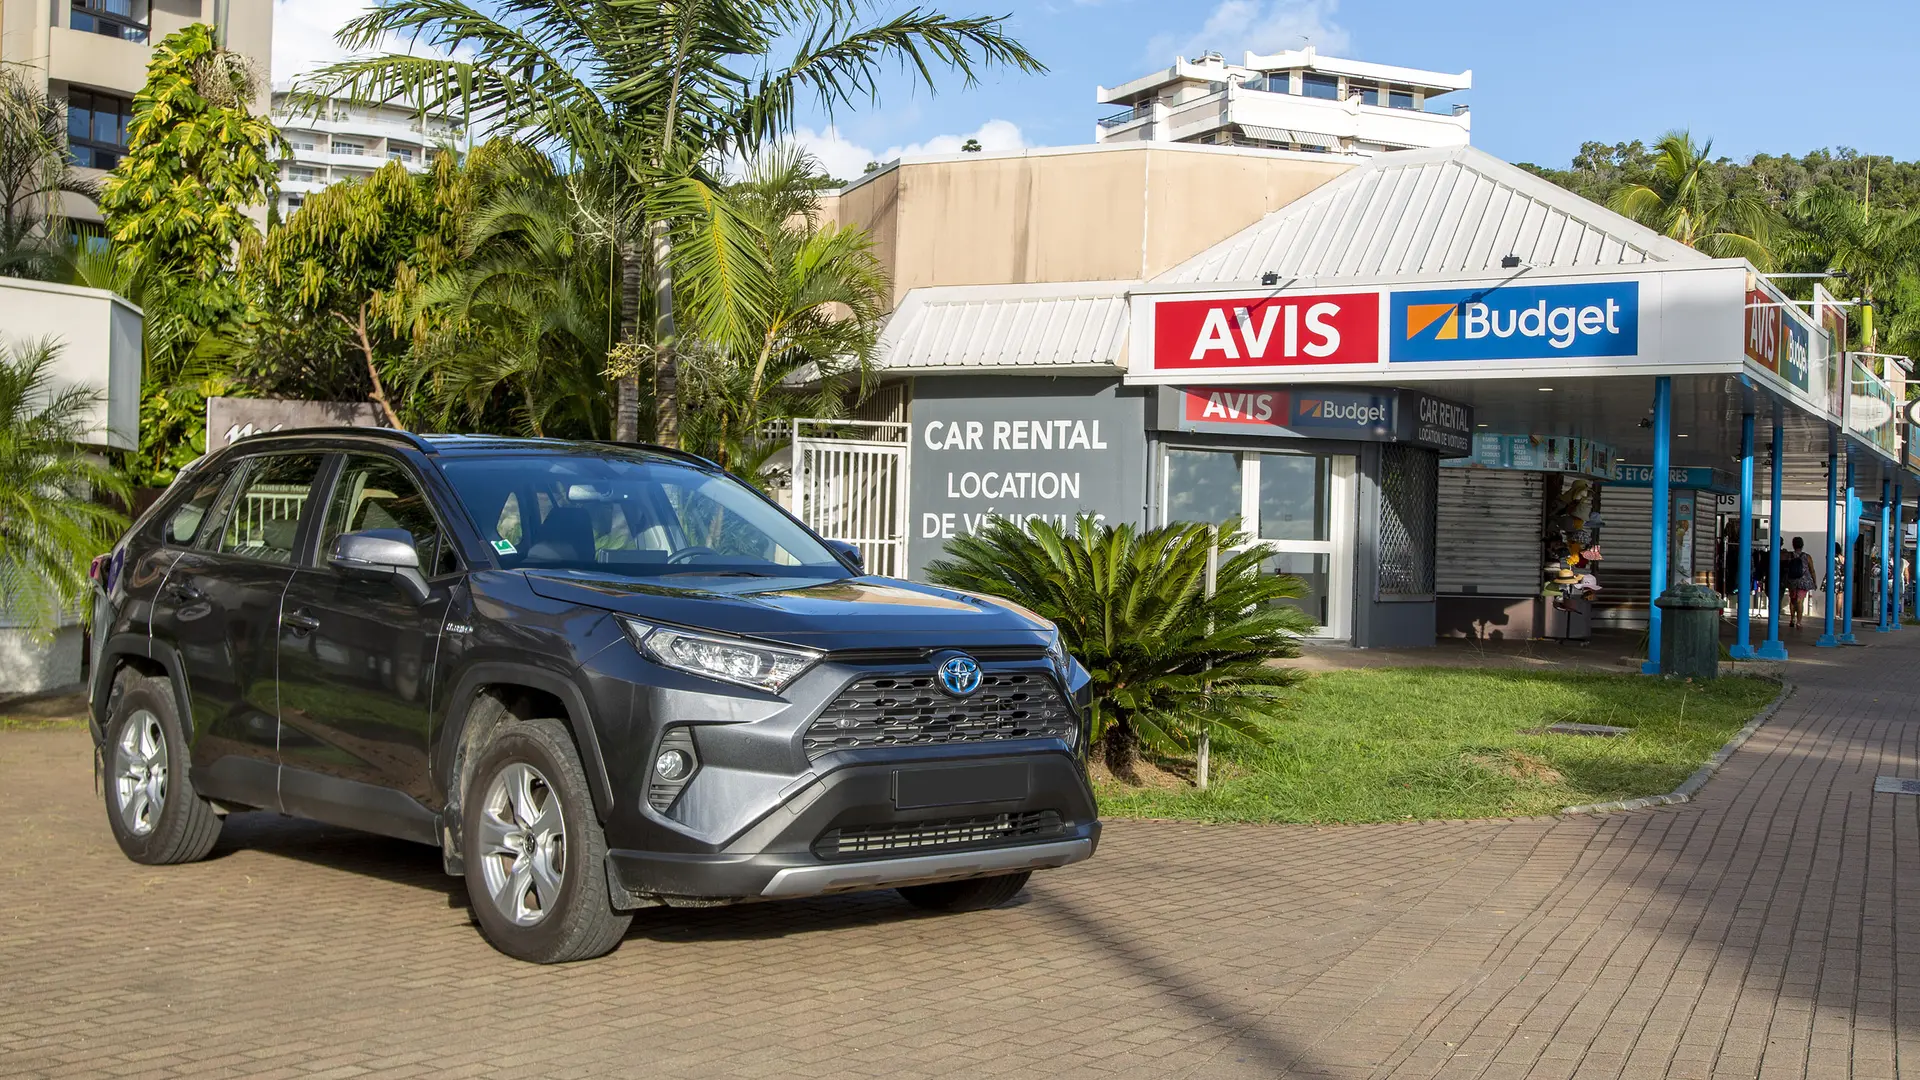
x=377 y=553
x=849 y=552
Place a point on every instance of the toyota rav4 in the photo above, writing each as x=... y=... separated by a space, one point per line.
x=597 y=677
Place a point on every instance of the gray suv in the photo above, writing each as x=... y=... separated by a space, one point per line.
x=597 y=677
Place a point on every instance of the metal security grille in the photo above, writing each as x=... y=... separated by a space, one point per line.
x=1409 y=491
x=909 y=710
x=850 y=483
x=854 y=842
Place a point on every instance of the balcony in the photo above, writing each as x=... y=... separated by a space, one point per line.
x=96 y=60
x=99 y=338
x=1347 y=121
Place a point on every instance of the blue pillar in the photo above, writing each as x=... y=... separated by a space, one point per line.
x=1916 y=562
x=1827 y=640
x=1849 y=531
x=1772 y=648
x=1662 y=510
x=1743 y=574
x=1883 y=601
x=1899 y=554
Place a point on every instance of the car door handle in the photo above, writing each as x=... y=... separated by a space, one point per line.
x=301 y=622
x=180 y=590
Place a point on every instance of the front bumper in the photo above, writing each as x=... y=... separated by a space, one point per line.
x=777 y=857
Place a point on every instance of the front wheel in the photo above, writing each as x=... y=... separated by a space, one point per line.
x=535 y=856
x=156 y=816
x=973 y=894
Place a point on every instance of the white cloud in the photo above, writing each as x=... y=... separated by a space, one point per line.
x=845 y=159
x=303 y=35
x=1261 y=26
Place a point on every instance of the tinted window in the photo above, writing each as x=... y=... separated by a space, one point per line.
x=184 y=523
x=378 y=493
x=1400 y=99
x=264 y=517
x=631 y=514
x=1320 y=86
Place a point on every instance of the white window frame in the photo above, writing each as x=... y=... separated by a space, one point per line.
x=1342 y=497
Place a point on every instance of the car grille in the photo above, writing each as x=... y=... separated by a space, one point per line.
x=866 y=841
x=910 y=710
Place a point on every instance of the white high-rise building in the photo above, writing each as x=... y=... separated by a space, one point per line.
x=1296 y=100
x=341 y=140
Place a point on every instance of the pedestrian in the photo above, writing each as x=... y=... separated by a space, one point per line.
x=1801 y=580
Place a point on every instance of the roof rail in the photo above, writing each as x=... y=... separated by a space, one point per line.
x=391 y=434
x=670 y=451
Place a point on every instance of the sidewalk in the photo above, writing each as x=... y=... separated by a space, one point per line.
x=1771 y=928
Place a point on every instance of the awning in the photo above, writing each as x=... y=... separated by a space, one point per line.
x=1314 y=138
x=1289 y=135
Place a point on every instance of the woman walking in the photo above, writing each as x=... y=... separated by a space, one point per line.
x=1800 y=581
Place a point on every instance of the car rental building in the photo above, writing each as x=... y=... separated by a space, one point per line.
x=1454 y=398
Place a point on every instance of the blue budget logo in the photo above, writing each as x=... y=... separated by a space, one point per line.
x=1516 y=322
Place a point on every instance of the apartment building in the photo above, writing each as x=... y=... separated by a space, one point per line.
x=93 y=56
x=340 y=140
x=1294 y=100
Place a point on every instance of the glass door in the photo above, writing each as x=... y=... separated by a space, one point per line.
x=1300 y=505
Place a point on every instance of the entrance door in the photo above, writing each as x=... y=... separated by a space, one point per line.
x=1301 y=505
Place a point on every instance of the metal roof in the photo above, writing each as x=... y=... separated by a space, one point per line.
x=1074 y=324
x=1455 y=210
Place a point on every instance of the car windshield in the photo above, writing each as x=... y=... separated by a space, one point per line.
x=609 y=512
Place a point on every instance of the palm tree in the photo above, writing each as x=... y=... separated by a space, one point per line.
x=1871 y=246
x=34 y=174
x=1169 y=663
x=1683 y=198
x=51 y=522
x=813 y=345
x=519 y=325
x=645 y=95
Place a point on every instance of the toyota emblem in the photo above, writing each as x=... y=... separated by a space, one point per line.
x=959 y=675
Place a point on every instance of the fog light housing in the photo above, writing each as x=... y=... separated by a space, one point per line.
x=672 y=765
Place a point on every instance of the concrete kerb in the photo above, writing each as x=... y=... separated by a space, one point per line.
x=1687 y=790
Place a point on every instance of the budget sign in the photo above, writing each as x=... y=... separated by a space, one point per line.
x=1516 y=322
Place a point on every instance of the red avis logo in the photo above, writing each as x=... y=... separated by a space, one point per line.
x=1267 y=331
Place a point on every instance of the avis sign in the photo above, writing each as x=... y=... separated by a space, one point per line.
x=1267 y=331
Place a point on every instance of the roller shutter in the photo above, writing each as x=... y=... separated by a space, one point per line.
x=1489 y=542
x=1626 y=547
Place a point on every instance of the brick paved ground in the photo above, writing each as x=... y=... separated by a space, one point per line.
x=1768 y=929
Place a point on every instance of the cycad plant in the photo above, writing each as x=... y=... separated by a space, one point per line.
x=51 y=522
x=34 y=172
x=1169 y=662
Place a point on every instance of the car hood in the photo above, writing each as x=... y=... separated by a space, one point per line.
x=866 y=613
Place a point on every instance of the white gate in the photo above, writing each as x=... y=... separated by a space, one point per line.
x=850 y=484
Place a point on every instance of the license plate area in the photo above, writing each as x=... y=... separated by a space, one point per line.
x=960 y=785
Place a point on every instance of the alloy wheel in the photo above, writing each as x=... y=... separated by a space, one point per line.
x=140 y=772
x=522 y=844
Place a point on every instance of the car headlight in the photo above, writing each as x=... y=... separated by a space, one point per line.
x=729 y=659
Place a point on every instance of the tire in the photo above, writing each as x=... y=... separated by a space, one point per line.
x=156 y=816
x=536 y=860
x=972 y=894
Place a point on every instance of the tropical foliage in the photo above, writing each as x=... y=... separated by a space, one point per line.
x=176 y=208
x=52 y=521
x=645 y=97
x=1169 y=662
x=34 y=173
x=1826 y=210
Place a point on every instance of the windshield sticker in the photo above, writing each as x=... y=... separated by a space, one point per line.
x=504 y=547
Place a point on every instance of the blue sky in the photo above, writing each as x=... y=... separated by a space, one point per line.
x=1756 y=76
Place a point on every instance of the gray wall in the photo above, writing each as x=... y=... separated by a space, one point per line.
x=987 y=446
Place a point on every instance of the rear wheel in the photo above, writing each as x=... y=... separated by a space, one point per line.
x=535 y=856
x=156 y=816
x=973 y=894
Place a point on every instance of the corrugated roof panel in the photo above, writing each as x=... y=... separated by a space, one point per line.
x=1456 y=210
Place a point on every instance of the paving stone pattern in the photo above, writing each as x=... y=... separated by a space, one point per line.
x=1767 y=929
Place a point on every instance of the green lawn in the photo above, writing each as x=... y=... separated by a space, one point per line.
x=1394 y=744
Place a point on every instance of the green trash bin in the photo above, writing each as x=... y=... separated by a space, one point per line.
x=1690 y=632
